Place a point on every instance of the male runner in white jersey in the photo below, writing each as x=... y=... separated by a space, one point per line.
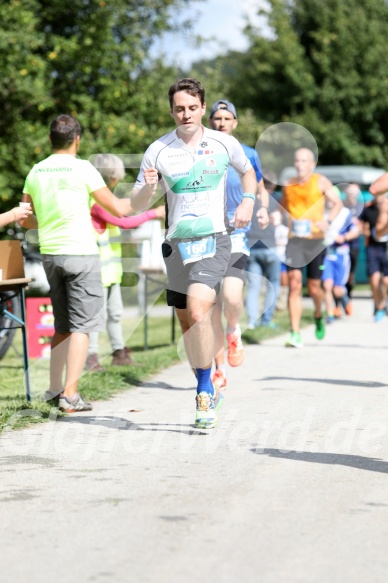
x=223 y=118
x=191 y=163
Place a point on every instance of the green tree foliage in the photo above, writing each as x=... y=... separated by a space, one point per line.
x=217 y=76
x=322 y=64
x=89 y=58
x=24 y=92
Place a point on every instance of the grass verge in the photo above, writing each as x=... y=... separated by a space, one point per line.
x=15 y=412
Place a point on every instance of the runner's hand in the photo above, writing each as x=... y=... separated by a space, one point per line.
x=151 y=177
x=243 y=214
x=263 y=218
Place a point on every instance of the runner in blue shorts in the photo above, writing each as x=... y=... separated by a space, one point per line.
x=223 y=118
x=336 y=264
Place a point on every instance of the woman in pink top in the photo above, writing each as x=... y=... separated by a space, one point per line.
x=108 y=236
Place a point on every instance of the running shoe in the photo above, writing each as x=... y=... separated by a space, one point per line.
x=320 y=329
x=219 y=379
x=337 y=312
x=349 y=308
x=73 y=406
x=206 y=416
x=295 y=340
x=235 y=349
x=379 y=315
x=330 y=318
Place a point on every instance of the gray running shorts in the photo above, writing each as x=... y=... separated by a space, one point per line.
x=306 y=252
x=237 y=266
x=76 y=292
x=209 y=271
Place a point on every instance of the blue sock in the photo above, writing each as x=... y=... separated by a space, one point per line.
x=204 y=381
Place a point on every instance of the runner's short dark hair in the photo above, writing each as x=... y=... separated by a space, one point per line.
x=191 y=86
x=63 y=131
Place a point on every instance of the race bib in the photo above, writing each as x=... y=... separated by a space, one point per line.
x=301 y=228
x=239 y=243
x=191 y=251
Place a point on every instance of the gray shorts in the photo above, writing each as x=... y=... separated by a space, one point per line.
x=76 y=292
x=209 y=271
x=237 y=266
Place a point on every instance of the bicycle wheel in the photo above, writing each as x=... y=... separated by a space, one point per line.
x=8 y=301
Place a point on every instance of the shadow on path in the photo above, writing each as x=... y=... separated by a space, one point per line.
x=337 y=459
x=122 y=424
x=104 y=420
x=160 y=426
x=362 y=346
x=315 y=345
x=350 y=383
x=161 y=385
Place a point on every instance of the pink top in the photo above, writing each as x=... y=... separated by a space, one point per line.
x=100 y=218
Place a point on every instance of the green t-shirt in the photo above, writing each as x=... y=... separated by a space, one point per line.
x=60 y=188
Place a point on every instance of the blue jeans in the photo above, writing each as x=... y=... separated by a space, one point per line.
x=262 y=263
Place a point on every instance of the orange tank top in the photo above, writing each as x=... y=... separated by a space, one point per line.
x=305 y=201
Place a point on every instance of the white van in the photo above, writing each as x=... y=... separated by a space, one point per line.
x=361 y=175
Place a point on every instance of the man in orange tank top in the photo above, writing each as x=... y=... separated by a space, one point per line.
x=304 y=200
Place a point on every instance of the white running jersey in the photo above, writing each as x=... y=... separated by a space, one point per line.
x=194 y=181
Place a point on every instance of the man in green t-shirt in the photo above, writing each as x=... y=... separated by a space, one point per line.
x=59 y=190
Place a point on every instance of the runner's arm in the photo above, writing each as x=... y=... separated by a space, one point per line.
x=262 y=195
x=243 y=214
x=263 y=212
x=141 y=197
x=352 y=234
x=379 y=186
x=330 y=194
x=354 y=231
x=147 y=180
x=381 y=228
x=283 y=202
x=118 y=207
